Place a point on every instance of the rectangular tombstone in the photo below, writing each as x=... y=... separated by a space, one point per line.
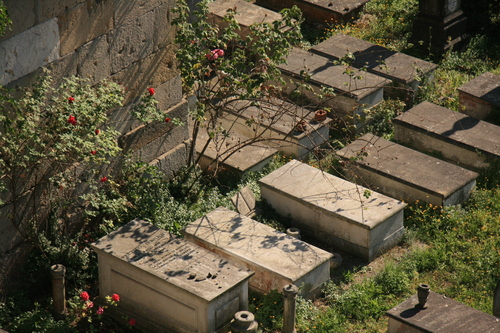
x=354 y=90
x=276 y=258
x=481 y=96
x=247 y=14
x=334 y=211
x=459 y=138
x=406 y=174
x=167 y=283
x=275 y=121
x=441 y=315
x=403 y=70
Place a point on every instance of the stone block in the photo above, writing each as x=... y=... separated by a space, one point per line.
x=456 y=137
x=84 y=22
x=442 y=314
x=23 y=15
x=126 y=11
x=276 y=258
x=275 y=122
x=198 y=291
x=164 y=32
x=481 y=96
x=146 y=133
x=94 y=60
x=51 y=8
x=354 y=90
x=403 y=70
x=320 y=11
x=406 y=174
x=131 y=42
x=170 y=92
x=232 y=151
x=334 y=211
x=173 y=160
x=27 y=51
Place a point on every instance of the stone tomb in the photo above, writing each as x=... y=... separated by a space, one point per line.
x=275 y=121
x=405 y=71
x=246 y=14
x=406 y=174
x=167 y=283
x=454 y=136
x=334 y=211
x=276 y=258
x=481 y=96
x=354 y=90
x=441 y=315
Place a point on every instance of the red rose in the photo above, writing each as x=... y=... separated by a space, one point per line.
x=97 y=131
x=71 y=99
x=151 y=91
x=219 y=52
x=72 y=120
x=115 y=297
x=84 y=296
x=93 y=152
x=104 y=179
x=132 y=322
x=167 y=120
x=100 y=311
x=89 y=304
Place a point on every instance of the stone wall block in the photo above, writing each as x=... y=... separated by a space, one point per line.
x=122 y=120
x=170 y=162
x=28 y=51
x=85 y=22
x=142 y=135
x=48 y=9
x=23 y=16
x=152 y=71
x=131 y=42
x=169 y=93
x=164 y=32
x=130 y=10
x=94 y=61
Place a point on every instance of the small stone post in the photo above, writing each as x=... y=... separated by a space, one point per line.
x=290 y=292
x=58 y=290
x=244 y=322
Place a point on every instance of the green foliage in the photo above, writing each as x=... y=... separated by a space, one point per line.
x=267 y=309
x=5 y=20
x=39 y=320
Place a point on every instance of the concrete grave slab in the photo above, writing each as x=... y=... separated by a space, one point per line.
x=276 y=258
x=167 y=283
x=334 y=211
x=406 y=174
x=246 y=14
x=354 y=90
x=275 y=121
x=405 y=71
x=481 y=96
x=454 y=136
x=320 y=11
x=232 y=151
x=244 y=201
x=441 y=315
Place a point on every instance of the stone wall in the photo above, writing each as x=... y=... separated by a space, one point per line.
x=127 y=41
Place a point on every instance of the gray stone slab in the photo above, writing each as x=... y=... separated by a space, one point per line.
x=275 y=121
x=452 y=135
x=276 y=258
x=28 y=51
x=175 y=284
x=442 y=315
x=481 y=95
x=244 y=201
x=406 y=174
x=398 y=67
x=333 y=210
x=172 y=161
x=94 y=62
x=232 y=151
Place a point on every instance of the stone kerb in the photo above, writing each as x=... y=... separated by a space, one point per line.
x=481 y=96
x=276 y=258
x=334 y=211
x=404 y=173
x=167 y=283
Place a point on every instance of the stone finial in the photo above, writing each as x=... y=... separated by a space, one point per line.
x=290 y=292
x=423 y=291
x=244 y=321
x=58 y=272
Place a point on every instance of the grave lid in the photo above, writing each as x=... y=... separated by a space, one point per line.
x=322 y=72
x=416 y=169
x=279 y=115
x=443 y=315
x=341 y=197
x=394 y=65
x=454 y=127
x=258 y=243
x=486 y=87
x=173 y=259
x=246 y=13
x=343 y=7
